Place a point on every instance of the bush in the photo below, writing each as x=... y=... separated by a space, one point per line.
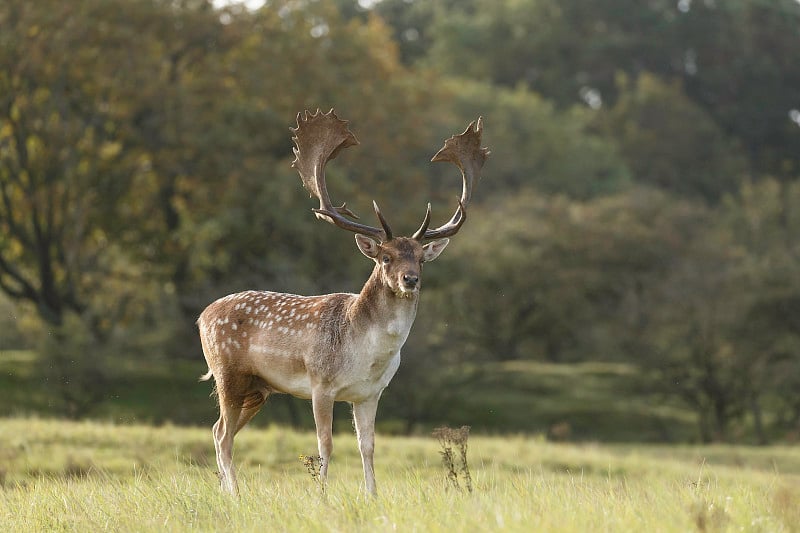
x=74 y=365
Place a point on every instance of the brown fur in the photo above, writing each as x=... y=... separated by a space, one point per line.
x=259 y=342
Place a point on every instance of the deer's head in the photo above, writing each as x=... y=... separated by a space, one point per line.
x=399 y=261
x=319 y=137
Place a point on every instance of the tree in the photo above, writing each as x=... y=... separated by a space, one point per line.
x=62 y=168
x=671 y=143
x=694 y=310
x=722 y=333
x=736 y=60
x=551 y=278
x=536 y=145
x=413 y=24
x=764 y=224
x=67 y=175
x=180 y=142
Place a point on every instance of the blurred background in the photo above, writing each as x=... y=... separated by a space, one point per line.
x=629 y=270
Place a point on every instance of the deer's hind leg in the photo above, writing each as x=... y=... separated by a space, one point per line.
x=231 y=393
x=240 y=398
x=257 y=395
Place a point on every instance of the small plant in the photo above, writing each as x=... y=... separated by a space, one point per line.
x=448 y=438
x=313 y=463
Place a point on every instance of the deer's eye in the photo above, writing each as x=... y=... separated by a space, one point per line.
x=386 y=259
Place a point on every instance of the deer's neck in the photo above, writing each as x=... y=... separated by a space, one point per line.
x=377 y=306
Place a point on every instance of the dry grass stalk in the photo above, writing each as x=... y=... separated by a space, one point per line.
x=448 y=438
x=313 y=464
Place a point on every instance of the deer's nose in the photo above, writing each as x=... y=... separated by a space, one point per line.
x=410 y=280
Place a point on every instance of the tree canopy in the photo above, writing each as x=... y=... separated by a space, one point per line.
x=640 y=204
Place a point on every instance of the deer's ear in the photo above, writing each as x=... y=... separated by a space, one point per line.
x=432 y=250
x=368 y=246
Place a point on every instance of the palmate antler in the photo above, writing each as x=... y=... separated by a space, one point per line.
x=465 y=152
x=319 y=137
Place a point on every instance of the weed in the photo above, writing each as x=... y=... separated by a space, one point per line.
x=313 y=463
x=449 y=437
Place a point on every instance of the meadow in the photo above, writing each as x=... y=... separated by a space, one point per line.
x=593 y=401
x=94 y=476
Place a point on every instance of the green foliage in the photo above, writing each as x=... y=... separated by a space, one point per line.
x=535 y=145
x=720 y=334
x=62 y=166
x=12 y=337
x=671 y=143
x=737 y=60
x=764 y=225
x=552 y=278
x=74 y=368
x=639 y=207
x=745 y=73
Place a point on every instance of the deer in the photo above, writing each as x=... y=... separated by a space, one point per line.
x=333 y=347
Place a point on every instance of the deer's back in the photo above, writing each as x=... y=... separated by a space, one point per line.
x=282 y=338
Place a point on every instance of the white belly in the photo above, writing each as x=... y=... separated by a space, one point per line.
x=367 y=381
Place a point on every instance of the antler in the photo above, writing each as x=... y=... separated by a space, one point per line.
x=318 y=138
x=466 y=153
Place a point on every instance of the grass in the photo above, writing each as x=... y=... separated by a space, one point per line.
x=89 y=476
x=588 y=401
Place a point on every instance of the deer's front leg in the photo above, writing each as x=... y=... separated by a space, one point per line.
x=322 y=404
x=364 y=418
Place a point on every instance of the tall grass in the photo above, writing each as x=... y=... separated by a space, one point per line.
x=100 y=477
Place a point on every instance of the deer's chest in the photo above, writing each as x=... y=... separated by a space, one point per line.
x=374 y=360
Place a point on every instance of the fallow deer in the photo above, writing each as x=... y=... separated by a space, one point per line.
x=335 y=347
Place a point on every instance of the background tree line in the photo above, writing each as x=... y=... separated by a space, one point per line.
x=640 y=206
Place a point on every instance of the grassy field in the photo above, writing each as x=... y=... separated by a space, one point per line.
x=594 y=401
x=88 y=476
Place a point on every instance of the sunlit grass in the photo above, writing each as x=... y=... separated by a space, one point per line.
x=100 y=477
